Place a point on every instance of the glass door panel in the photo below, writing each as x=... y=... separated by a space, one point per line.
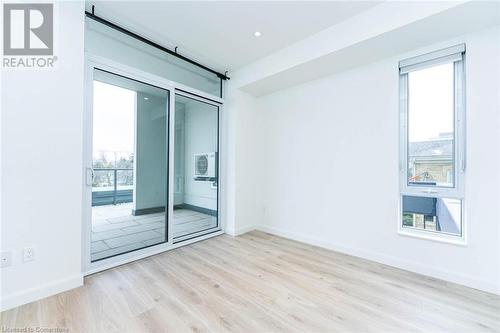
x=196 y=164
x=129 y=157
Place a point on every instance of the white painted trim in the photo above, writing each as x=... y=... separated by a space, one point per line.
x=170 y=165
x=239 y=231
x=150 y=77
x=149 y=251
x=432 y=236
x=427 y=270
x=43 y=291
x=449 y=54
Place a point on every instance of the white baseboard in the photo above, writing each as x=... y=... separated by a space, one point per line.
x=49 y=289
x=34 y=294
x=427 y=270
x=239 y=231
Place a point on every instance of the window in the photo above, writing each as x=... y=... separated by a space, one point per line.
x=443 y=215
x=432 y=140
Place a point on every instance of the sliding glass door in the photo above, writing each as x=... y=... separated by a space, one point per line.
x=152 y=165
x=196 y=167
x=130 y=141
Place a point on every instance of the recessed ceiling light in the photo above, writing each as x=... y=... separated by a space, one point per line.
x=146 y=98
x=257 y=34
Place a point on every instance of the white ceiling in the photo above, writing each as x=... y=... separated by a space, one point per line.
x=220 y=34
x=372 y=36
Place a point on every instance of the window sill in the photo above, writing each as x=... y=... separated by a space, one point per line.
x=431 y=236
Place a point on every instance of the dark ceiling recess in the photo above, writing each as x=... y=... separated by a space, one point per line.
x=149 y=42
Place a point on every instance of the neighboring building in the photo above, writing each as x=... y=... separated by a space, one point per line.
x=431 y=161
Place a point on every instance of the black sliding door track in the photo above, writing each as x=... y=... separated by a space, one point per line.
x=149 y=42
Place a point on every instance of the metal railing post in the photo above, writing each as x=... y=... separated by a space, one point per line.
x=115 y=187
x=114 y=192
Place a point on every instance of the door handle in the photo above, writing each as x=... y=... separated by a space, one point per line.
x=89 y=176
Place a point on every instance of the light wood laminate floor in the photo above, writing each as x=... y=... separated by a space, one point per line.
x=261 y=283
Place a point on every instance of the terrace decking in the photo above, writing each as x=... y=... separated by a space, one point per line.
x=115 y=230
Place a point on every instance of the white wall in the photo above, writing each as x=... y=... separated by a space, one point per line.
x=150 y=152
x=330 y=175
x=200 y=136
x=243 y=145
x=42 y=168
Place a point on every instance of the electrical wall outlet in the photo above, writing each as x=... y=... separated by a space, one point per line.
x=5 y=259
x=28 y=254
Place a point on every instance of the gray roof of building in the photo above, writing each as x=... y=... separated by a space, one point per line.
x=437 y=147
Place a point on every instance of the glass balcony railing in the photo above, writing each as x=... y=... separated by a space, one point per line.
x=111 y=186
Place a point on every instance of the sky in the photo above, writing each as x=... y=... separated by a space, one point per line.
x=113 y=122
x=430 y=102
